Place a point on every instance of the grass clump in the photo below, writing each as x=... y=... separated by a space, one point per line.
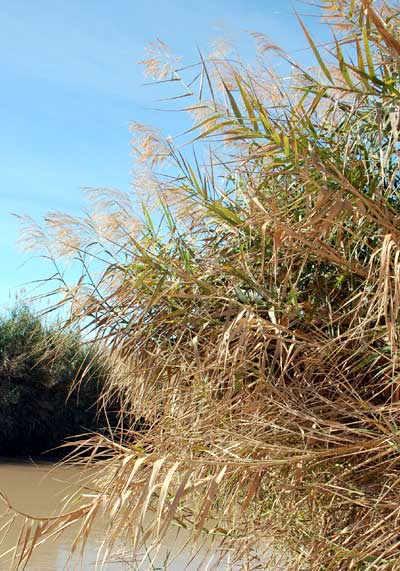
x=253 y=317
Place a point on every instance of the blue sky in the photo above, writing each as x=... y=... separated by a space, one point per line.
x=71 y=84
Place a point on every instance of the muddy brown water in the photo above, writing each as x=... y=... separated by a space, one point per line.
x=38 y=489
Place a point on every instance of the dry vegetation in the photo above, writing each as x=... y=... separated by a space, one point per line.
x=253 y=318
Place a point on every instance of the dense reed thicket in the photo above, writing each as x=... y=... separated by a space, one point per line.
x=39 y=364
x=253 y=317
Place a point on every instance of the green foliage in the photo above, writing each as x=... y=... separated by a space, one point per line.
x=39 y=408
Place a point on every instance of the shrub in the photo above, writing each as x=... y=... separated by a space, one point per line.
x=39 y=368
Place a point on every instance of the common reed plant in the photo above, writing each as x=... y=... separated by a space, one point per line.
x=252 y=309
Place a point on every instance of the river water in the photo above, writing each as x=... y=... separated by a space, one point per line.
x=38 y=489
